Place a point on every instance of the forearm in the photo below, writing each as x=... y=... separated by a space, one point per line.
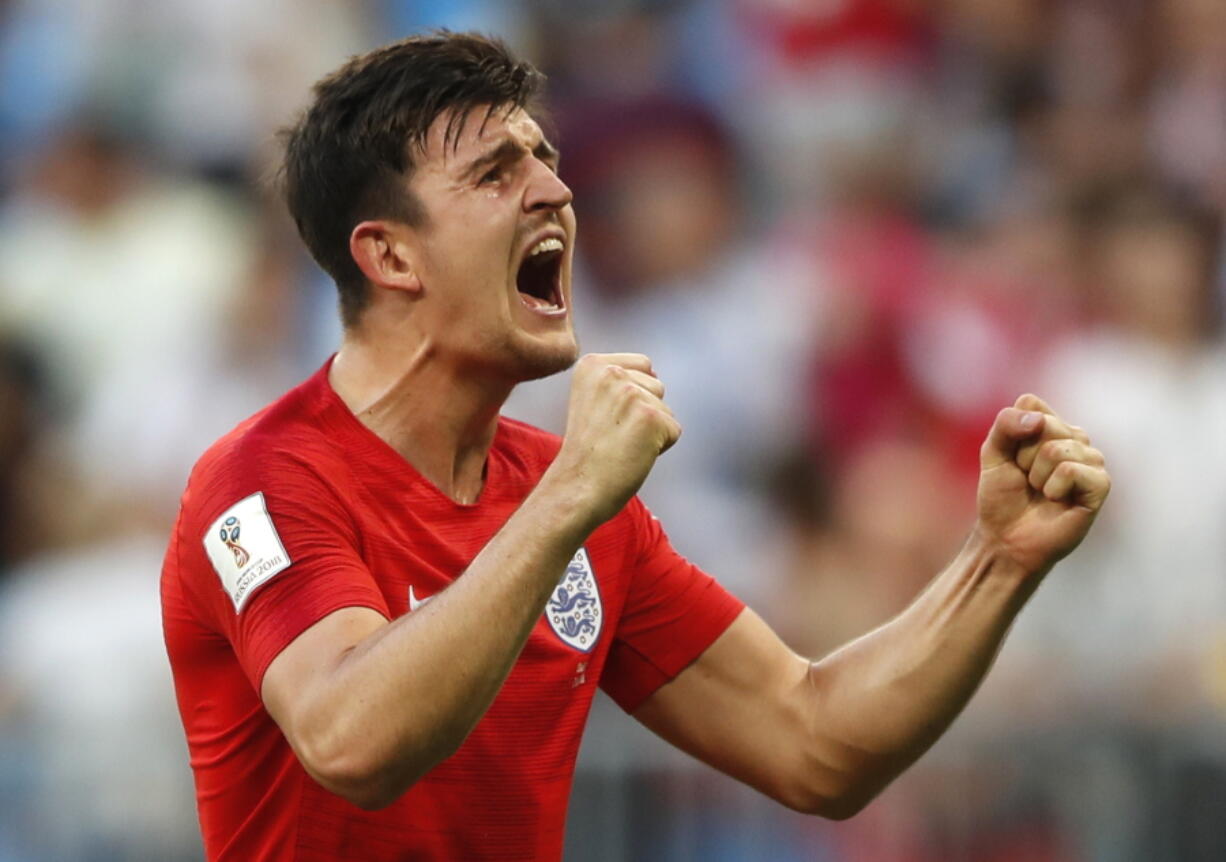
x=878 y=703
x=407 y=695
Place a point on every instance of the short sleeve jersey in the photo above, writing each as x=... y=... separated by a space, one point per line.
x=301 y=511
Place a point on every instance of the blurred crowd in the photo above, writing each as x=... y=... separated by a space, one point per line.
x=846 y=231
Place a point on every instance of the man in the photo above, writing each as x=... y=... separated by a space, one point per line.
x=387 y=607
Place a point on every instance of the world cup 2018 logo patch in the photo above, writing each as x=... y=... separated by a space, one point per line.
x=229 y=535
x=243 y=546
x=574 y=610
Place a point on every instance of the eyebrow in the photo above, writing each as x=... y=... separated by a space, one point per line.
x=546 y=151
x=508 y=149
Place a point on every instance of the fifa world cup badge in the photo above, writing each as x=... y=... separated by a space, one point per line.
x=244 y=548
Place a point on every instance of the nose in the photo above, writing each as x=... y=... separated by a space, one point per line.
x=546 y=191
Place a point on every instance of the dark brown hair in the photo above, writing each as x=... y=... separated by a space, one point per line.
x=350 y=155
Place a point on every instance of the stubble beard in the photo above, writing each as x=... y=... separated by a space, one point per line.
x=515 y=357
x=535 y=361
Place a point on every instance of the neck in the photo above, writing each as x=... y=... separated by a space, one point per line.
x=441 y=420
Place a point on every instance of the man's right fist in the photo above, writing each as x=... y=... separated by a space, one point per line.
x=617 y=424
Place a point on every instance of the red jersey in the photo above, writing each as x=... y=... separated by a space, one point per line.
x=301 y=511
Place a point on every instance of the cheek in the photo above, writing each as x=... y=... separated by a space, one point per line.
x=464 y=266
x=477 y=298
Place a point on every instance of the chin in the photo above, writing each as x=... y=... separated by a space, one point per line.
x=539 y=360
x=546 y=363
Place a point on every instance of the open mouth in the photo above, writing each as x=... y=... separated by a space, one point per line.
x=539 y=280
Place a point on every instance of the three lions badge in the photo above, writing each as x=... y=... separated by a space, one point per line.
x=574 y=611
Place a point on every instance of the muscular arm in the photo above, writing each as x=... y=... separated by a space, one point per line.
x=825 y=737
x=369 y=706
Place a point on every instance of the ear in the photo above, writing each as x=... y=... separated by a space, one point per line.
x=383 y=252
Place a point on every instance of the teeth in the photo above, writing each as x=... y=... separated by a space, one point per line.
x=551 y=244
x=537 y=303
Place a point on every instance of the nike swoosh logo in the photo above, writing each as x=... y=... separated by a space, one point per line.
x=414 y=602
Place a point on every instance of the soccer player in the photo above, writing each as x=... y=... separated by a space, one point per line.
x=387 y=608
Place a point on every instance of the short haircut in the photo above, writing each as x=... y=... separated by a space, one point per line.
x=350 y=155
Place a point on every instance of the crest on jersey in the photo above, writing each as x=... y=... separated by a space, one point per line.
x=574 y=611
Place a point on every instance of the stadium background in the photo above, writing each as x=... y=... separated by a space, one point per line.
x=846 y=230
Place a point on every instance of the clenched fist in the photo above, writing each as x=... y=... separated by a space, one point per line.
x=617 y=425
x=1041 y=485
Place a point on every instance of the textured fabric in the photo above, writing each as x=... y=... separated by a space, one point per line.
x=361 y=528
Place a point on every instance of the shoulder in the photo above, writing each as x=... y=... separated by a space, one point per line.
x=283 y=446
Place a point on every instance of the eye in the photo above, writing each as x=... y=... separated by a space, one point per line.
x=491 y=176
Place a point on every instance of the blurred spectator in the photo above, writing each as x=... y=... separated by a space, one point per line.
x=25 y=408
x=136 y=285
x=1188 y=119
x=90 y=695
x=206 y=84
x=1143 y=606
x=829 y=81
x=154 y=297
x=864 y=545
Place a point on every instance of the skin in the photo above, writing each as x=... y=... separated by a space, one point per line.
x=369 y=705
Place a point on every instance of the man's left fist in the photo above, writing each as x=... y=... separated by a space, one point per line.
x=1041 y=484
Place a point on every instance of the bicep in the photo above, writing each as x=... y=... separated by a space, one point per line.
x=299 y=675
x=740 y=707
